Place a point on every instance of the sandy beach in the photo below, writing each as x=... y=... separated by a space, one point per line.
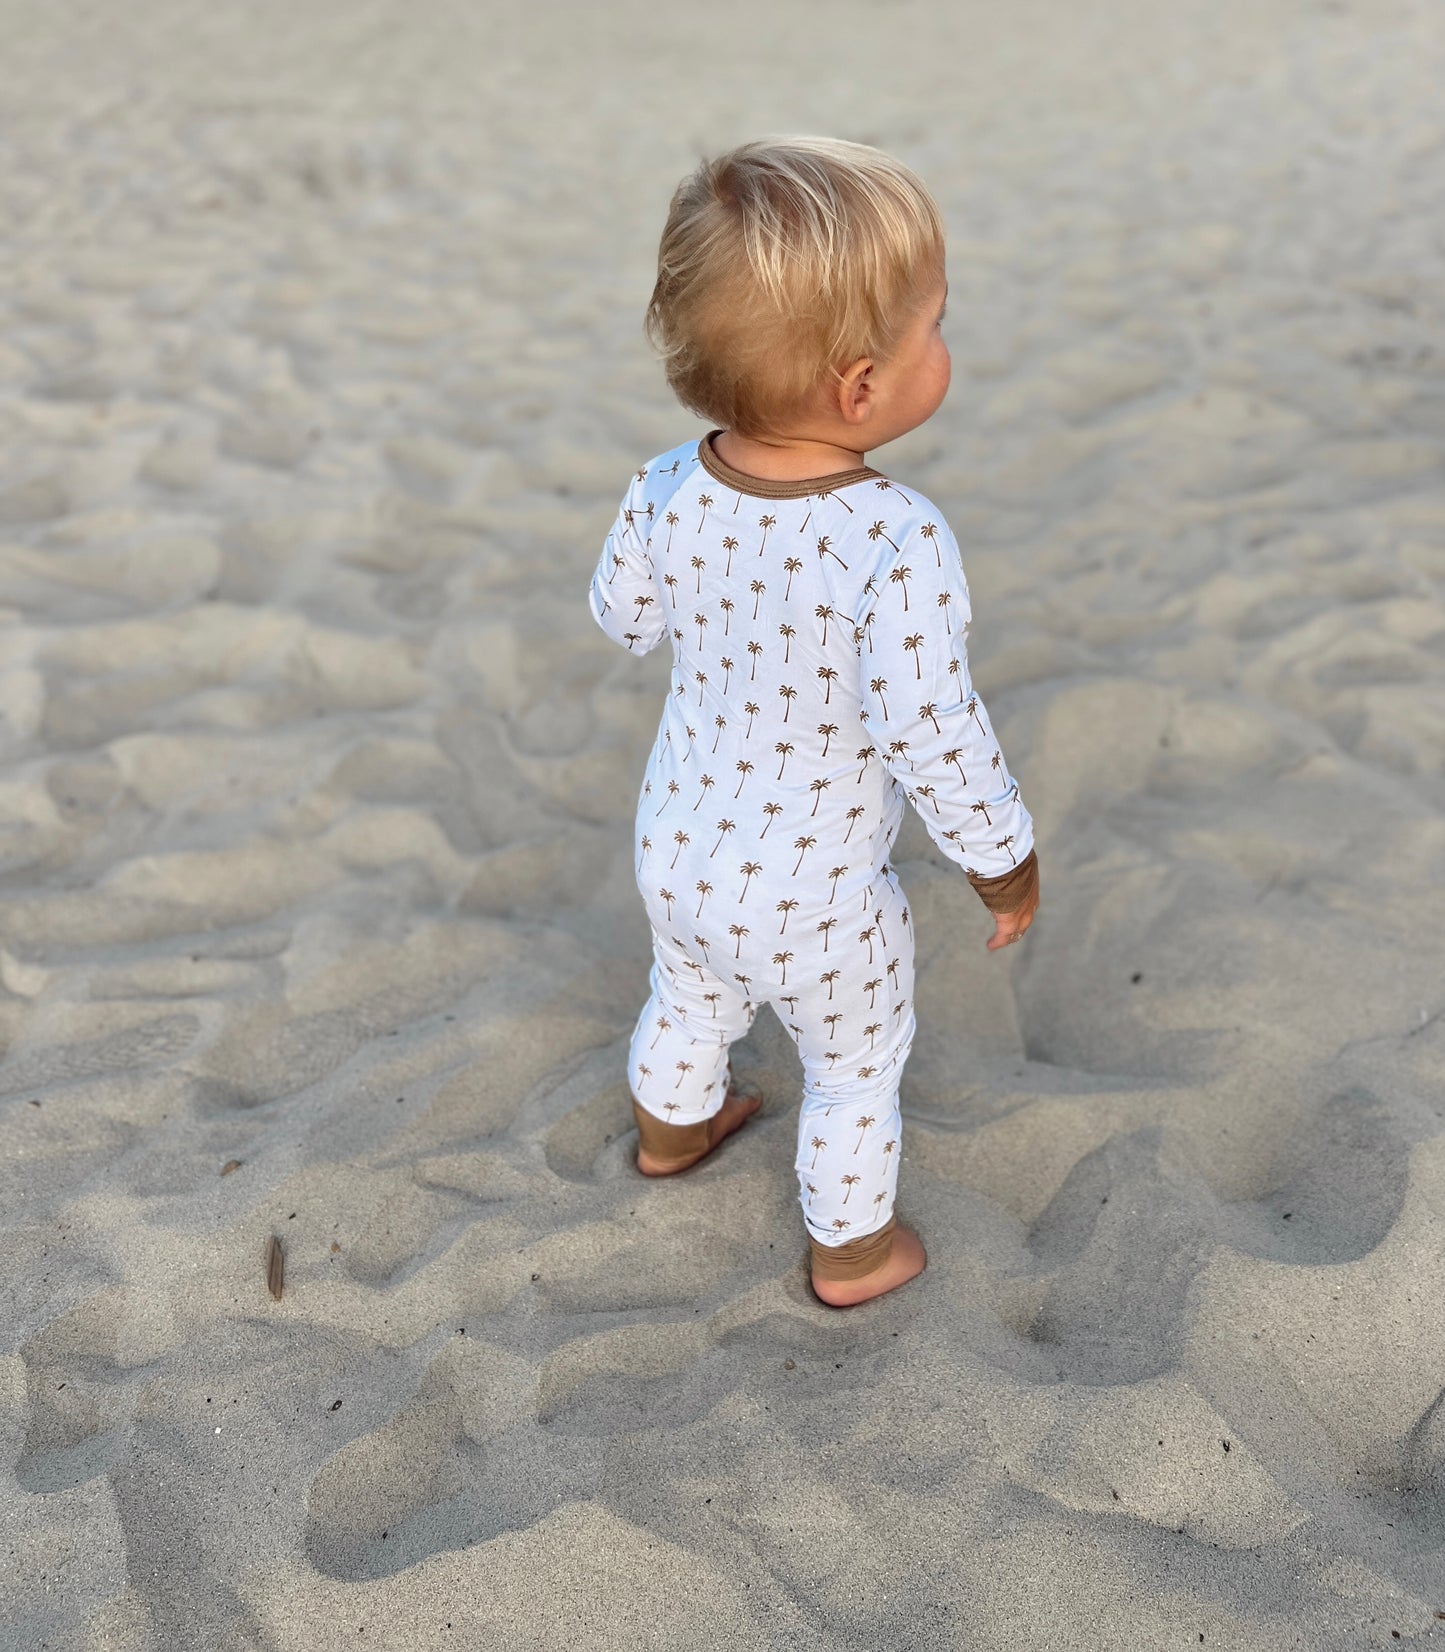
x=321 y=375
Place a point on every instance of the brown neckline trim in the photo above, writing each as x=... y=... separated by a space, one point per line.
x=761 y=488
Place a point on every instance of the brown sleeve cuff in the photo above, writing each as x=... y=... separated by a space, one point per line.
x=1013 y=890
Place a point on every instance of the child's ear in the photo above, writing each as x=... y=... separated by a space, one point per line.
x=855 y=391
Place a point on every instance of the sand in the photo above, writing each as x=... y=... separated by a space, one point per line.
x=320 y=378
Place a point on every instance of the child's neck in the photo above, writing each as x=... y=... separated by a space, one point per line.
x=785 y=458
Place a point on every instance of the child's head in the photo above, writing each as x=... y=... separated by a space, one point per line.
x=783 y=262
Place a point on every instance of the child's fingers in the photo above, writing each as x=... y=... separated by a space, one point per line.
x=1008 y=927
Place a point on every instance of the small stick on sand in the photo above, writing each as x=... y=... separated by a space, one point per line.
x=273 y=1266
x=229 y=1166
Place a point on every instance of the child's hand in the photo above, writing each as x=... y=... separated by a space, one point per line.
x=1010 y=926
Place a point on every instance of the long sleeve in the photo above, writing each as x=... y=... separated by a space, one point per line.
x=624 y=595
x=928 y=725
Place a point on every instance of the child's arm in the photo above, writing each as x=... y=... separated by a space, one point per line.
x=932 y=730
x=624 y=597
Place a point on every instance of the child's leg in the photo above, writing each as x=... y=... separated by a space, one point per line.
x=678 y=1065
x=850 y=1129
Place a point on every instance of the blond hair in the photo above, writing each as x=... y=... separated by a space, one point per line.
x=782 y=262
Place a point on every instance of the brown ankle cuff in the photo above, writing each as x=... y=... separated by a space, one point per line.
x=669 y=1143
x=836 y=1263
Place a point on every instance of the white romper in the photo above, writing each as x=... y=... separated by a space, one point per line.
x=819 y=677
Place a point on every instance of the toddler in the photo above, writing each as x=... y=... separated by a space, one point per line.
x=817 y=611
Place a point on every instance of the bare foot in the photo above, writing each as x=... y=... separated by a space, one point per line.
x=735 y=1112
x=905 y=1261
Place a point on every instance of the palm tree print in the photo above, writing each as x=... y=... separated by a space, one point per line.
x=996 y=761
x=772 y=811
x=883 y=483
x=667 y=897
x=681 y=839
x=729 y=545
x=754 y=648
x=840 y=1224
x=828 y=675
x=863 y=1126
x=953 y=757
x=971 y=710
x=726 y=604
x=784 y=748
x=953 y=671
x=877 y=532
x=927 y=791
x=831 y=1022
x=802 y=845
x=929 y=531
x=752 y=711
x=825 y=928
x=783 y=958
x=899 y=748
x=868 y=751
x=1007 y=843
x=713 y=998
x=672 y=519
x=703 y=944
x=643 y=1072
x=811 y=1191
x=818 y=1143
x=827 y=978
x=792 y=566
x=698 y=564
x=719 y=723
x=785 y=907
x=707 y=783
x=878 y=685
x=670 y=581
x=700 y=678
x=703 y=499
x=683 y=1069
x=744 y=768
x=766 y=522
x=981 y=808
x=893 y=970
x=835 y=874
x=888 y=1147
x=787 y=633
x=817 y=787
x=871 y=1031
x=878 y=919
x=642 y=602
x=929 y=713
x=850 y=1182
x=865 y=938
x=827 y=730
x=824 y=613
x=871 y=988
x=900 y=576
x=757 y=588
x=788 y=696
x=672 y=790
x=723 y=828
x=749 y=870
x=944 y=598
x=913 y=644
x=738 y=931
x=663 y=1026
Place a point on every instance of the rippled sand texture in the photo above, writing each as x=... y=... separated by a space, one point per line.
x=320 y=377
